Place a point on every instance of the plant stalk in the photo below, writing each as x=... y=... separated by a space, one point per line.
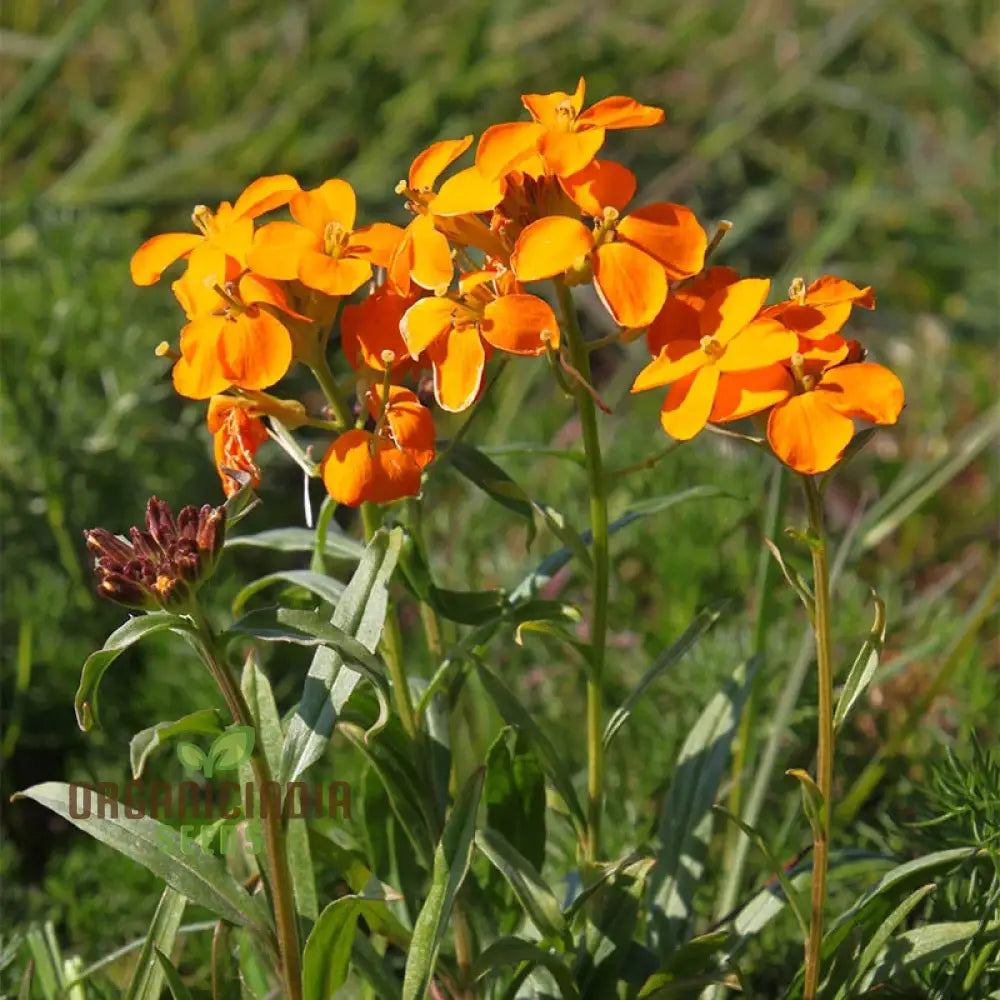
x=580 y=359
x=279 y=874
x=824 y=754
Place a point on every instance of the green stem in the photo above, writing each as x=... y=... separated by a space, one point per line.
x=580 y=359
x=392 y=640
x=279 y=874
x=824 y=762
x=321 y=370
x=428 y=616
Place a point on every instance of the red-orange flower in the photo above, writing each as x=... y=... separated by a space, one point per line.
x=228 y=227
x=383 y=465
x=322 y=249
x=630 y=259
x=821 y=309
x=733 y=338
x=370 y=328
x=812 y=426
x=457 y=332
x=238 y=432
x=563 y=136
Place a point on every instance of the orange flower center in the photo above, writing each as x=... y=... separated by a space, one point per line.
x=204 y=220
x=712 y=348
x=335 y=238
x=804 y=381
x=565 y=117
x=797 y=291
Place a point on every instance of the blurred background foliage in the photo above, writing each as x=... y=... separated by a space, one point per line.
x=852 y=138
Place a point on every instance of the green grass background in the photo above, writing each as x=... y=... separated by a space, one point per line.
x=858 y=139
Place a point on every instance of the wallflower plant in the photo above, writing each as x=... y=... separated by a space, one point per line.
x=395 y=320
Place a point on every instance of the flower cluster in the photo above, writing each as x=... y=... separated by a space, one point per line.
x=458 y=284
x=163 y=565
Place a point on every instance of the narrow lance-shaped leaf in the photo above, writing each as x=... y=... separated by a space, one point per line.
x=337 y=544
x=178 y=991
x=685 y=826
x=330 y=682
x=147 y=979
x=196 y=874
x=516 y=951
x=326 y=959
x=85 y=702
x=206 y=721
x=863 y=669
x=323 y=587
x=451 y=864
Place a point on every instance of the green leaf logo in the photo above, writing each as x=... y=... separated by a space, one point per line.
x=230 y=749
x=192 y=757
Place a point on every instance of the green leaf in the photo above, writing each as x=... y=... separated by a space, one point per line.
x=324 y=587
x=374 y=969
x=529 y=887
x=173 y=979
x=703 y=621
x=47 y=960
x=85 y=702
x=515 y=714
x=685 y=827
x=24 y=990
x=691 y=959
x=240 y=504
x=565 y=532
x=793 y=577
x=491 y=479
x=863 y=669
x=147 y=979
x=230 y=749
x=337 y=544
x=191 y=756
x=514 y=795
x=515 y=951
x=260 y=699
x=921 y=946
x=327 y=956
x=451 y=864
x=206 y=721
x=194 y=873
x=330 y=681
x=812 y=800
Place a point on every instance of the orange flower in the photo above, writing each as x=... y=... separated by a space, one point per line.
x=322 y=249
x=238 y=432
x=370 y=328
x=733 y=338
x=457 y=332
x=562 y=135
x=227 y=228
x=630 y=259
x=383 y=465
x=678 y=319
x=235 y=336
x=812 y=426
x=821 y=309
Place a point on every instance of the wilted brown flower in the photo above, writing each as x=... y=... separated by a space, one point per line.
x=164 y=564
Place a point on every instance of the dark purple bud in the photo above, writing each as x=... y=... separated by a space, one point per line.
x=119 y=588
x=211 y=531
x=160 y=523
x=187 y=522
x=103 y=545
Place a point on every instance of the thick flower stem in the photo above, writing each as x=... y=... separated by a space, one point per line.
x=580 y=359
x=279 y=874
x=824 y=764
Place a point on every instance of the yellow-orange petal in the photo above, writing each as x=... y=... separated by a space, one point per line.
x=158 y=253
x=333 y=275
x=376 y=242
x=410 y=422
x=543 y=107
x=742 y=394
x=432 y=265
x=689 y=403
x=333 y=201
x=255 y=290
x=864 y=390
x=371 y=327
x=832 y=350
x=199 y=373
x=601 y=184
x=397 y=474
x=265 y=194
x=630 y=283
x=502 y=147
x=678 y=359
x=255 y=350
x=425 y=321
x=669 y=233
x=459 y=361
x=427 y=166
x=277 y=248
x=219 y=407
x=807 y=434
x=467 y=193
x=828 y=289
x=401 y=262
x=731 y=308
x=678 y=319
x=550 y=246
x=348 y=468
x=235 y=239
x=815 y=322
x=515 y=323
x=568 y=153
x=762 y=342
x=620 y=112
